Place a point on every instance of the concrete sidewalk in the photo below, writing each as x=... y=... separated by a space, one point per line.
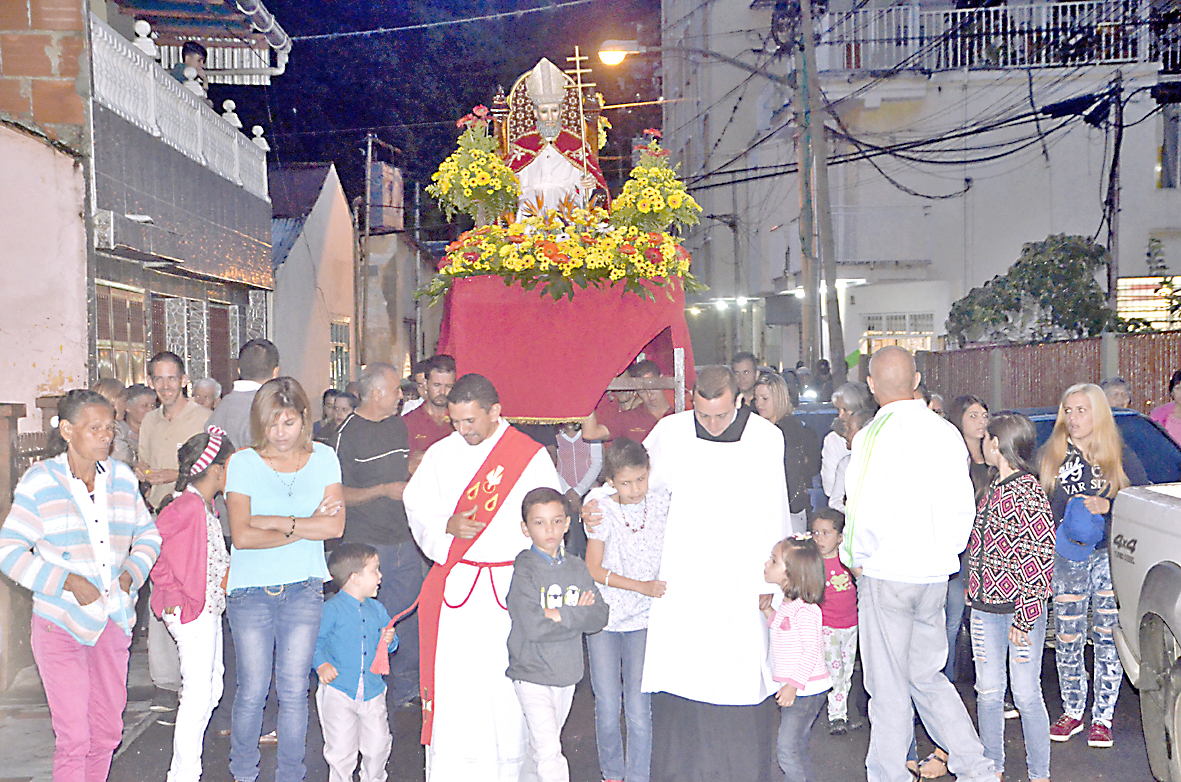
x=26 y=734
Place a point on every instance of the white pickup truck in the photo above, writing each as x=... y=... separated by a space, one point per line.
x=1146 y=571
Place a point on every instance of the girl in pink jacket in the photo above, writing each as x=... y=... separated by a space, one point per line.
x=189 y=593
x=797 y=648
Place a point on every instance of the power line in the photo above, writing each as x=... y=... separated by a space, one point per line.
x=432 y=25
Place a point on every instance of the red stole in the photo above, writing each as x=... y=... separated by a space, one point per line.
x=493 y=481
x=527 y=147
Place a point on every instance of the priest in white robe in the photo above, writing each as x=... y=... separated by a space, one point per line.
x=707 y=658
x=478 y=730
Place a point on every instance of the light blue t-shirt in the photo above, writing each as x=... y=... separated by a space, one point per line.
x=280 y=494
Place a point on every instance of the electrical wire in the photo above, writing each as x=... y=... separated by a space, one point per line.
x=433 y=25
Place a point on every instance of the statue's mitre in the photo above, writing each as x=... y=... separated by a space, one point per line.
x=546 y=83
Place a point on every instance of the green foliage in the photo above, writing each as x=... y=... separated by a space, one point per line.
x=1049 y=293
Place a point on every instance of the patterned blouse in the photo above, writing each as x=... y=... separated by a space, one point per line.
x=1011 y=550
x=218 y=563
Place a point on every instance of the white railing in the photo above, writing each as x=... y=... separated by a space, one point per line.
x=1088 y=32
x=135 y=87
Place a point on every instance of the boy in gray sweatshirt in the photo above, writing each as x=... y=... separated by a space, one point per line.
x=552 y=601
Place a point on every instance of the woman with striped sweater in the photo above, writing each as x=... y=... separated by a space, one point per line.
x=81 y=539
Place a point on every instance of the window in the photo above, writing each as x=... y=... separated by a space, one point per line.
x=339 y=368
x=120 y=337
x=1143 y=297
x=911 y=330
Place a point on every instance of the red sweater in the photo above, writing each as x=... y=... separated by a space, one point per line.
x=179 y=576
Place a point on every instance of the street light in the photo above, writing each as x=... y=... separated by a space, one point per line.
x=613 y=51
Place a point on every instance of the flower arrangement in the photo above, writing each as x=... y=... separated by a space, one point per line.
x=653 y=198
x=474 y=179
x=558 y=248
x=561 y=251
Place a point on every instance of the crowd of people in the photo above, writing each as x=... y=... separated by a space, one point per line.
x=725 y=565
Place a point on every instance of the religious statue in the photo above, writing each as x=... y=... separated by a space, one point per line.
x=549 y=137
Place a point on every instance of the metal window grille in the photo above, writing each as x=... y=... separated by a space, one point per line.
x=338 y=336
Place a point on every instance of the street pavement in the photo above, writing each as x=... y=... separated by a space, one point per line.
x=26 y=740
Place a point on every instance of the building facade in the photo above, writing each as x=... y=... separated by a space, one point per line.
x=942 y=161
x=138 y=218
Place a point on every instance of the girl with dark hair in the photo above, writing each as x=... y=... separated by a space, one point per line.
x=81 y=539
x=623 y=554
x=969 y=414
x=189 y=594
x=1010 y=560
x=797 y=648
x=1168 y=415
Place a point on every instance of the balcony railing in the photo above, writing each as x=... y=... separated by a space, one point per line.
x=135 y=87
x=911 y=37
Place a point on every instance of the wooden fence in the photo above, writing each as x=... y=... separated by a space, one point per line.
x=1036 y=375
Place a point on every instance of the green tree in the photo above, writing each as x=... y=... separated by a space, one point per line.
x=1050 y=293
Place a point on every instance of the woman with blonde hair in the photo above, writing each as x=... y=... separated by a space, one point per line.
x=285 y=499
x=1085 y=458
x=801 y=455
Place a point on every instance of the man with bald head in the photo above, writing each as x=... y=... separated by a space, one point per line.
x=908 y=515
x=373 y=446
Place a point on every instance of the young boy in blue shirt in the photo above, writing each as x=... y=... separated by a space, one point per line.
x=350 y=698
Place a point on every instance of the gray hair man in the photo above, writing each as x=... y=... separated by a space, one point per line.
x=373 y=447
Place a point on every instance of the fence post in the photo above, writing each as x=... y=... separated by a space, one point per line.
x=1108 y=355
x=13 y=637
x=996 y=366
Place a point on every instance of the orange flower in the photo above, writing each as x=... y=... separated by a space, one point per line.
x=627 y=249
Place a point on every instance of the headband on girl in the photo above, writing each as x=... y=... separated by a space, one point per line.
x=210 y=452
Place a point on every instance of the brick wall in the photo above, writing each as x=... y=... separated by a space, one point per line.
x=41 y=44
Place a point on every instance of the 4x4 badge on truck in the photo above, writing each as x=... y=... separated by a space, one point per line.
x=1125 y=548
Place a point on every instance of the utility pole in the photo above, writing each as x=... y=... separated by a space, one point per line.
x=828 y=252
x=1113 y=192
x=419 y=346
x=809 y=331
x=363 y=278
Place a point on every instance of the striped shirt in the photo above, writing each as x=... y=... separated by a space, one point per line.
x=797 y=647
x=45 y=539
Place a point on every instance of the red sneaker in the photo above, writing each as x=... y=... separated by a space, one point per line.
x=1100 y=736
x=1065 y=727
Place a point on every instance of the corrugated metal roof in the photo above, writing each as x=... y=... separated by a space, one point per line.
x=284 y=233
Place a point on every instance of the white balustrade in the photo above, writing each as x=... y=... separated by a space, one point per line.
x=136 y=88
x=1065 y=34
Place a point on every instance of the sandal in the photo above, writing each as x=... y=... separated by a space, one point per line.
x=913 y=767
x=934 y=765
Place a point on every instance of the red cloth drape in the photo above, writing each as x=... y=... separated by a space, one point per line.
x=552 y=360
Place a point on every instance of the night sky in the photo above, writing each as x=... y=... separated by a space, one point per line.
x=410 y=87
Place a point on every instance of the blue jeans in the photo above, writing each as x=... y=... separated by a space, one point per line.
x=1076 y=584
x=278 y=625
x=795 y=728
x=403 y=568
x=990 y=649
x=955 y=620
x=616 y=665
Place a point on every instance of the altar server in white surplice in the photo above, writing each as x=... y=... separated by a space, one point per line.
x=714 y=714
x=474 y=728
